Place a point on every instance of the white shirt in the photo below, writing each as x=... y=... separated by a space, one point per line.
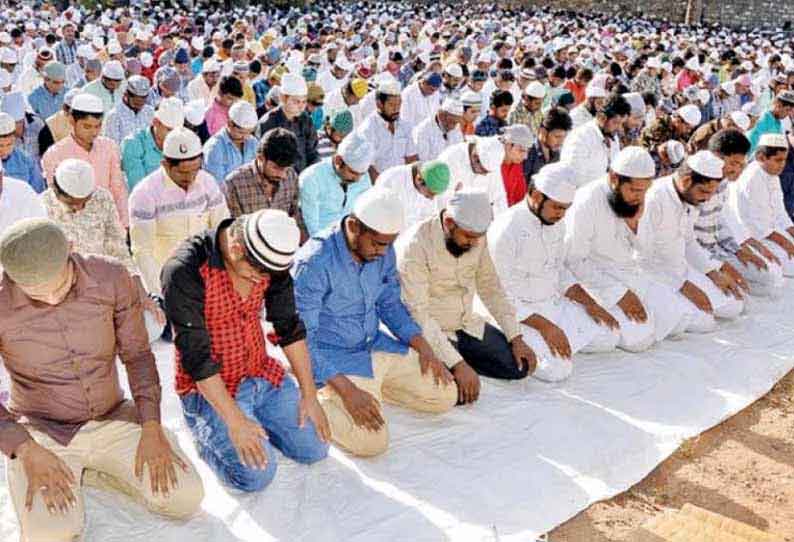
x=430 y=141
x=365 y=108
x=580 y=115
x=456 y=157
x=17 y=201
x=198 y=89
x=586 y=150
x=756 y=200
x=416 y=207
x=600 y=247
x=529 y=259
x=329 y=82
x=29 y=80
x=668 y=248
x=417 y=107
x=391 y=149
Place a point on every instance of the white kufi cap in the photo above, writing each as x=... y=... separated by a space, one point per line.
x=471 y=210
x=556 y=182
x=690 y=114
x=75 y=177
x=243 y=115
x=380 y=209
x=356 y=152
x=491 y=152
x=634 y=162
x=171 y=113
x=707 y=164
x=181 y=144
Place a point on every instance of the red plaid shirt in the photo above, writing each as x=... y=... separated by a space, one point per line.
x=237 y=342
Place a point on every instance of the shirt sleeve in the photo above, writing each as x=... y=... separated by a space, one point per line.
x=217 y=207
x=281 y=312
x=115 y=239
x=132 y=347
x=390 y=307
x=12 y=433
x=504 y=247
x=309 y=197
x=312 y=156
x=117 y=186
x=132 y=160
x=493 y=295
x=214 y=160
x=753 y=207
x=229 y=190
x=183 y=295
x=142 y=239
x=111 y=128
x=415 y=282
x=311 y=286
x=36 y=179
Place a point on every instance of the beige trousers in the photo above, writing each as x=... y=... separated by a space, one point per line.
x=106 y=452
x=397 y=379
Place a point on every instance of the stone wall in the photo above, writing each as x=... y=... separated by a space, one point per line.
x=737 y=13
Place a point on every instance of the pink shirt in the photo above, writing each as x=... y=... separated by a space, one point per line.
x=217 y=117
x=105 y=159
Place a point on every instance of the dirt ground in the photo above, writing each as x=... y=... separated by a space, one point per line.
x=742 y=469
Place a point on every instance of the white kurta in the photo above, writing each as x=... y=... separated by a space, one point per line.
x=601 y=253
x=417 y=107
x=391 y=149
x=335 y=101
x=670 y=253
x=587 y=151
x=580 y=115
x=416 y=207
x=457 y=159
x=430 y=141
x=329 y=83
x=756 y=199
x=529 y=259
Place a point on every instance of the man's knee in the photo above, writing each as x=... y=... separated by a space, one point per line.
x=366 y=443
x=185 y=502
x=553 y=369
x=443 y=400
x=730 y=309
x=252 y=480
x=66 y=528
x=310 y=451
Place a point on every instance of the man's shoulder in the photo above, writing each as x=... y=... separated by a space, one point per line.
x=318 y=248
x=243 y=175
x=100 y=267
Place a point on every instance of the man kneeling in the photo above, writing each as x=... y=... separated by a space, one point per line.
x=527 y=243
x=346 y=284
x=63 y=319
x=236 y=399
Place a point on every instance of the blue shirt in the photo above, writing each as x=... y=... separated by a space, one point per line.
x=221 y=156
x=139 y=157
x=261 y=88
x=767 y=124
x=318 y=118
x=44 y=103
x=342 y=303
x=490 y=126
x=197 y=65
x=323 y=201
x=20 y=166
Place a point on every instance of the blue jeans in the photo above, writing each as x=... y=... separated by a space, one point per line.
x=276 y=409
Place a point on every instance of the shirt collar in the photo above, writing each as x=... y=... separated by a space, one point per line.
x=341 y=245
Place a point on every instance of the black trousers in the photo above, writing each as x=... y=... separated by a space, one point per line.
x=491 y=356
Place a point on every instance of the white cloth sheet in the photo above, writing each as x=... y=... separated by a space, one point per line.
x=524 y=459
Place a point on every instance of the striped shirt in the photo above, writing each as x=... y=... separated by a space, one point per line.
x=712 y=230
x=162 y=215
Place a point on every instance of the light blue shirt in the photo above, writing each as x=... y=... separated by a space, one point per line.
x=221 y=156
x=767 y=124
x=44 y=103
x=323 y=201
x=20 y=166
x=342 y=303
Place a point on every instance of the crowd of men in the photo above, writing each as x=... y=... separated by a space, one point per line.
x=403 y=199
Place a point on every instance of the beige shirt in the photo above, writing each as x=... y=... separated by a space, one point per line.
x=439 y=288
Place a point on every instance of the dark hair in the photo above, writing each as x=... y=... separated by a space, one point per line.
x=728 y=142
x=280 y=146
x=615 y=70
x=381 y=97
x=80 y=115
x=557 y=118
x=615 y=106
x=231 y=85
x=208 y=52
x=228 y=43
x=650 y=98
x=500 y=98
x=255 y=66
x=586 y=74
x=504 y=64
x=560 y=72
x=678 y=62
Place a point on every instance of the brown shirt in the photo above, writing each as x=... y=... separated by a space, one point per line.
x=700 y=138
x=246 y=193
x=61 y=359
